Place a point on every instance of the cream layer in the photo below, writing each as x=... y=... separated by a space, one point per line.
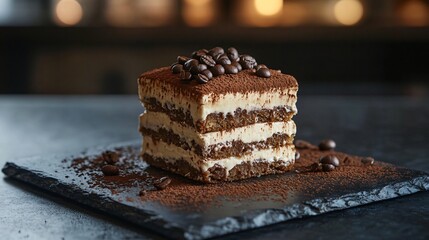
x=161 y=149
x=224 y=103
x=247 y=134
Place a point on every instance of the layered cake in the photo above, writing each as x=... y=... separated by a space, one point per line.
x=218 y=116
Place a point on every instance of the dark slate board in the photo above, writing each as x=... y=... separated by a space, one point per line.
x=56 y=174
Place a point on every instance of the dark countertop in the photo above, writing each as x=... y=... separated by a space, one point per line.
x=391 y=129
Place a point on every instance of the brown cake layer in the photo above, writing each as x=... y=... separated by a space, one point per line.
x=218 y=173
x=236 y=148
x=243 y=82
x=219 y=121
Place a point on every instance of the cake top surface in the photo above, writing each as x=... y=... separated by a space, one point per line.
x=242 y=82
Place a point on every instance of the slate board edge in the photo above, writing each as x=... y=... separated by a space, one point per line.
x=56 y=187
x=310 y=208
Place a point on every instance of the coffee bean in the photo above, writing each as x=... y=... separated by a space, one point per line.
x=142 y=193
x=110 y=157
x=217 y=70
x=162 y=183
x=330 y=159
x=246 y=65
x=177 y=68
x=218 y=57
x=297 y=155
x=201 y=78
x=263 y=72
x=328 y=167
x=247 y=62
x=208 y=73
x=224 y=61
x=194 y=70
x=237 y=65
x=185 y=75
x=182 y=59
x=188 y=64
x=198 y=68
x=230 y=69
x=208 y=60
x=232 y=54
x=260 y=66
x=327 y=144
x=368 y=161
x=216 y=51
x=110 y=170
x=197 y=54
x=301 y=144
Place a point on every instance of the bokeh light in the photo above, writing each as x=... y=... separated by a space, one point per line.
x=348 y=12
x=199 y=13
x=414 y=13
x=68 y=12
x=294 y=13
x=268 y=7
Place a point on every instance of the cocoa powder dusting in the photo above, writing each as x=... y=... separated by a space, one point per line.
x=136 y=181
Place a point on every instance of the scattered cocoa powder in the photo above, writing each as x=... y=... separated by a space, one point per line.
x=137 y=180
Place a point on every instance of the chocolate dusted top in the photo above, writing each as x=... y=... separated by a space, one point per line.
x=242 y=82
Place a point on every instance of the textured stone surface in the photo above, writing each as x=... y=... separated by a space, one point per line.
x=391 y=129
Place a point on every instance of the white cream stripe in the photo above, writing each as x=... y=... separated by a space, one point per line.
x=250 y=133
x=171 y=152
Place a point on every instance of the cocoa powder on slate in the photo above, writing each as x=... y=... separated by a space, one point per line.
x=182 y=193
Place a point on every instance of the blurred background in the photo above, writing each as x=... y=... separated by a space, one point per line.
x=348 y=47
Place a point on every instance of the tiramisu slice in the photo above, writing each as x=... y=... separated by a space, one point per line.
x=218 y=117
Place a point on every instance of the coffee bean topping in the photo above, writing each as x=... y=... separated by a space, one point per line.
x=208 y=73
x=327 y=144
x=188 y=64
x=328 y=167
x=230 y=69
x=216 y=51
x=237 y=65
x=224 y=61
x=197 y=54
x=162 y=183
x=194 y=70
x=232 y=54
x=260 y=66
x=208 y=60
x=201 y=78
x=198 y=68
x=177 y=68
x=217 y=70
x=215 y=62
x=182 y=59
x=330 y=159
x=110 y=170
x=247 y=62
x=263 y=72
x=185 y=75
x=367 y=161
x=220 y=56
